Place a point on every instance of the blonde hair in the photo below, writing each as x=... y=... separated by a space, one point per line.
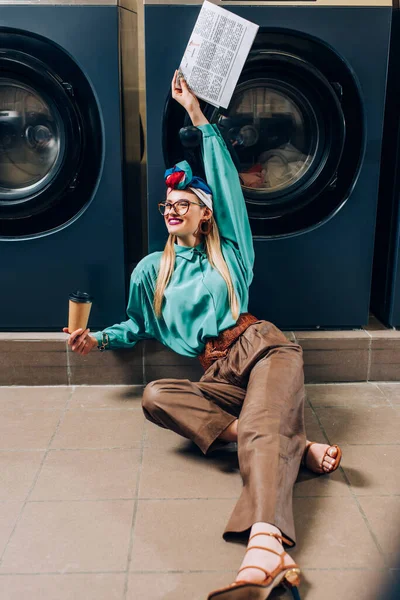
x=215 y=258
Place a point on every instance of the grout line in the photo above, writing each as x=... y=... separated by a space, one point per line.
x=389 y=400
x=383 y=393
x=80 y=385
x=367 y=404
x=63 y=573
x=337 y=383
x=190 y=571
x=19 y=517
x=369 y=358
x=167 y=499
x=135 y=511
x=138 y=447
x=17 y=387
x=81 y=409
x=69 y=374
x=102 y=408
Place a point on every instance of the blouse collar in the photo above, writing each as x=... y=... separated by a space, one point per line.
x=188 y=252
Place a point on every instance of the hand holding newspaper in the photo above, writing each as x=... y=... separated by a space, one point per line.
x=216 y=53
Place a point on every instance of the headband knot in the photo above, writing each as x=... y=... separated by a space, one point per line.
x=180 y=177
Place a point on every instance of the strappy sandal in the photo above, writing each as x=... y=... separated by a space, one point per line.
x=321 y=470
x=245 y=590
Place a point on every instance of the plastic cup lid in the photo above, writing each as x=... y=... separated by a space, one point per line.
x=80 y=297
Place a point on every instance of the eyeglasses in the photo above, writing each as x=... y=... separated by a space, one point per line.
x=180 y=207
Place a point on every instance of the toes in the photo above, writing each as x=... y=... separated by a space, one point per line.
x=327 y=466
x=332 y=451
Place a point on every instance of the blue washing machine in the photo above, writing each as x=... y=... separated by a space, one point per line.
x=69 y=161
x=304 y=127
x=385 y=297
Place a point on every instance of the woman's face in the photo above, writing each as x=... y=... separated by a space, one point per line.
x=187 y=224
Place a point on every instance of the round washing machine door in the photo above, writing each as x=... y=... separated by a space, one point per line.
x=287 y=130
x=50 y=137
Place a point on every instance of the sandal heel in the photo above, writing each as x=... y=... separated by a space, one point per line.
x=291 y=581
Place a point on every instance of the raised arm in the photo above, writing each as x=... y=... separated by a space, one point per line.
x=228 y=202
x=229 y=206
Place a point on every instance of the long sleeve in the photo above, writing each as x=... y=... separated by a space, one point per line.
x=229 y=206
x=128 y=333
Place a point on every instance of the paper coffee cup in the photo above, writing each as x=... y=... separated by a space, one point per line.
x=80 y=304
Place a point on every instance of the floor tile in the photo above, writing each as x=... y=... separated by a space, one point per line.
x=187 y=473
x=63 y=587
x=311 y=484
x=183 y=535
x=345 y=394
x=121 y=396
x=88 y=475
x=18 y=470
x=160 y=437
x=70 y=537
x=26 y=429
x=176 y=586
x=100 y=429
x=383 y=514
x=331 y=533
x=361 y=424
x=34 y=398
x=314 y=432
x=346 y=584
x=372 y=469
x=9 y=512
x=391 y=391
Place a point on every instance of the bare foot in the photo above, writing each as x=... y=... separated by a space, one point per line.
x=262 y=558
x=321 y=458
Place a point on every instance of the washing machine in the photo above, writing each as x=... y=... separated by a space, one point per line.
x=385 y=297
x=70 y=207
x=304 y=128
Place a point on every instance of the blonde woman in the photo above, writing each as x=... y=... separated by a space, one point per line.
x=193 y=298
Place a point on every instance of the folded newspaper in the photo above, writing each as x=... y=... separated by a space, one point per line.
x=216 y=52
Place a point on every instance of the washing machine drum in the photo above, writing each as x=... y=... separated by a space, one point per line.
x=286 y=128
x=50 y=137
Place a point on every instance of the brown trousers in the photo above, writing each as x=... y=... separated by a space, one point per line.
x=261 y=383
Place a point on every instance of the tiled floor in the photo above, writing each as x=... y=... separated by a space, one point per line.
x=97 y=504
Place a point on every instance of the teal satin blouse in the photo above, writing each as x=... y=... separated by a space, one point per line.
x=196 y=304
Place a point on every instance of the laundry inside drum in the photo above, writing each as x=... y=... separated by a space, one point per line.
x=274 y=138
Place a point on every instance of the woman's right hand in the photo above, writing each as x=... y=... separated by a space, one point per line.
x=80 y=341
x=188 y=100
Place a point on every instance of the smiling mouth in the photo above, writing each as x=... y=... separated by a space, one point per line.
x=175 y=221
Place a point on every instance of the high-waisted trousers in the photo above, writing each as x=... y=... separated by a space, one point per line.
x=260 y=382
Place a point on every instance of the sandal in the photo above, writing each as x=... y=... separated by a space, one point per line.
x=244 y=590
x=321 y=470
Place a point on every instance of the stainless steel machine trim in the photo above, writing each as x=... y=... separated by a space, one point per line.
x=358 y=3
